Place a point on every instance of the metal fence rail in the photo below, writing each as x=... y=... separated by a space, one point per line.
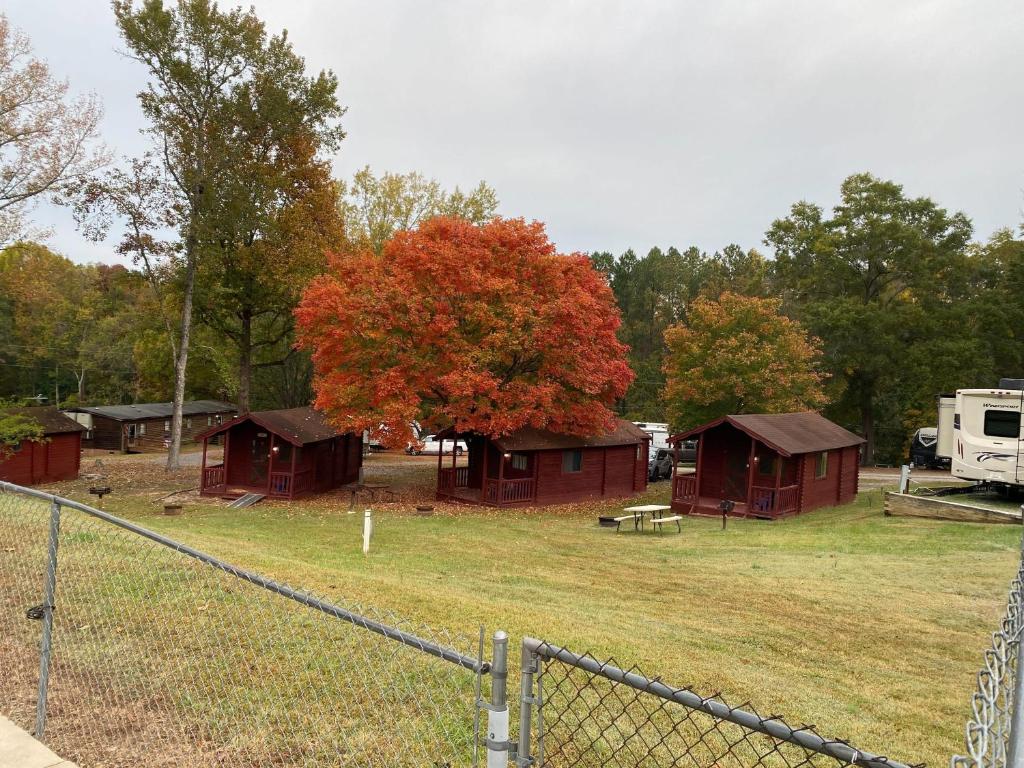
x=592 y=713
x=121 y=647
x=994 y=736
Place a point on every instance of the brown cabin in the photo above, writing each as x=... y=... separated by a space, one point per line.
x=283 y=454
x=533 y=466
x=57 y=458
x=768 y=465
x=146 y=427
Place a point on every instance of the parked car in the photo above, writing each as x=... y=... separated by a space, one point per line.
x=688 y=452
x=431 y=445
x=659 y=464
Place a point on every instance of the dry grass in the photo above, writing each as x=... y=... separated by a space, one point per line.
x=869 y=627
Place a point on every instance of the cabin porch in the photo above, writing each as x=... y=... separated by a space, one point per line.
x=733 y=466
x=256 y=460
x=489 y=476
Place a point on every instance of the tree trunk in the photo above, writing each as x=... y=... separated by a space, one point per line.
x=245 y=361
x=867 y=422
x=181 y=362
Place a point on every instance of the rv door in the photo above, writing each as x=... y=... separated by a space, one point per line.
x=945 y=445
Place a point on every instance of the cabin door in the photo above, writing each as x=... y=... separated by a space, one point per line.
x=735 y=486
x=260 y=458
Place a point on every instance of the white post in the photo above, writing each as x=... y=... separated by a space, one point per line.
x=905 y=478
x=367 y=530
x=497 y=711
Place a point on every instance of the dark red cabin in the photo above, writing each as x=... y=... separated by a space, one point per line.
x=533 y=466
x=282 y=454
x=57 y=458
x=768 y=465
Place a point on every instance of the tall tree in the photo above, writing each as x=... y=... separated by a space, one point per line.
x=737 y=354
x=375 y=208
x=872 y=279
x=47 y=139
x=209 y=73
x=485 y=328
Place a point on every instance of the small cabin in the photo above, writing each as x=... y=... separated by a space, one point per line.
x=57 y=458
x=767 y=466
x=283 y=454
x=146 y=427
x=534 y=466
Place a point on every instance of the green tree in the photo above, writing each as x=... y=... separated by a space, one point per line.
x=880 y=275
x=738 y=354
x=374 y=208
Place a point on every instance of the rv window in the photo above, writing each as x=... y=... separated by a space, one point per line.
x=822 y=469
x=572 y=461
x=1002 y=424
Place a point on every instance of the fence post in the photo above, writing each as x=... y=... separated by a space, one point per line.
x=48 y=592
x=497 y=712
x=1015 y=757
x=526 y=701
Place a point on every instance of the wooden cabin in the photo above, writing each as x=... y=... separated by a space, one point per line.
x=57 y=458
x=532 y=466
x=283 y=454
x=146 y=427
x=768 y=465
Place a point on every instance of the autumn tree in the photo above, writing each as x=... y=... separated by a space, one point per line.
x=484 y=328
x=226 y=103
x=47 y=138
x=374 y=207
x=738 y=354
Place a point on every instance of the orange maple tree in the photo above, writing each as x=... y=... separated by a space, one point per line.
x=484 y=328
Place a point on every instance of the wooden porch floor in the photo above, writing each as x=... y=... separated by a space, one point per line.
x=708 y=505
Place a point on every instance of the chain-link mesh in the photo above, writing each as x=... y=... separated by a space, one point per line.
x=988 y=734
x=164 y=660
x=592 y=713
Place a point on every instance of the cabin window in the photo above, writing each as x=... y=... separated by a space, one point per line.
x=167 y=425
x=520 y=461
x=188 y=423
x=572 y=461
x=209 y=421
x=141 y=429
x=766 y=465
x=220 y=419
x=1002 y=424
x=282 y=452
x=822 y=466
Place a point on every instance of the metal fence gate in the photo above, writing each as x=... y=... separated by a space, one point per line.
x=119 y=646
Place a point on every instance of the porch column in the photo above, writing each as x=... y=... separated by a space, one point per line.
x=291 y=485
x=439 y=460
x=227 y=444
x=778 y=481
x=270 y=464
x=483 y=470
x=535 y=460
x=202 y=476
x=750 y=471
x=700 y=463
x=501 y=476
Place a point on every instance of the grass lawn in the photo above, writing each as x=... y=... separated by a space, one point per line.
x=871 y=628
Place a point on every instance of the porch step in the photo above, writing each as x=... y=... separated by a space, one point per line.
x=248 y=500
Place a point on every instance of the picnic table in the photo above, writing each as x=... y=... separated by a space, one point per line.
x=644 y=509
x=354 y=489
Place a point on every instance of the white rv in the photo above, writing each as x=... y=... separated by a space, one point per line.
x=658 y=432
x=987 y=436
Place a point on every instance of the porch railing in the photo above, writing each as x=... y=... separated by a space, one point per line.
x=450 y=478
x=684 y=488
x=508 y=491
x=774 y=501
x=213 y=477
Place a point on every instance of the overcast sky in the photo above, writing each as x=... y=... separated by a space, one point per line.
x=633 y=124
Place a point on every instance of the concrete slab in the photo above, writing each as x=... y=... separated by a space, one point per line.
x=19 y=750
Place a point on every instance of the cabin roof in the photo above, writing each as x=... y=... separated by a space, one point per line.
x=786 y=433
x=530 y=439
x=49 y=417
x=299 y=426
x=154 y=410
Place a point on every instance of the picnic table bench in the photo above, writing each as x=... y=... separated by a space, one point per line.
x=354 y=489
x=636 y=514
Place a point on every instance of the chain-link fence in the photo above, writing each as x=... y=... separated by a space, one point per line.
x=994 y=736
x=156 y=654
x=591 y=713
